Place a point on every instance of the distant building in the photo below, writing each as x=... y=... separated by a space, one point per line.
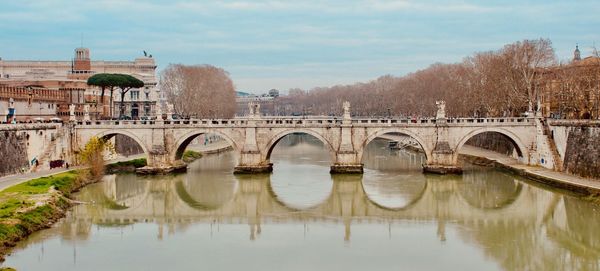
x=572 y=90
x=274 y=93
x=32 y=104
x=53 y=74
x=266 y=104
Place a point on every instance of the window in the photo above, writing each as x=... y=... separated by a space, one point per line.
x=135 y=95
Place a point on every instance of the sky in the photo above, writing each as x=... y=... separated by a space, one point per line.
x=292 y=44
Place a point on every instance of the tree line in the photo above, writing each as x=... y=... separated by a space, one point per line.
x=519 y=77
x=504 y=82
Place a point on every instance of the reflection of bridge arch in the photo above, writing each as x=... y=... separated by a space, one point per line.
x=254 y=199
x=108 y=134
x=522 y=150
x=470 y=192
x=183 y=141
x=289 y=206
x=424 y=146
x=276 y=138
x=193 y=203
x=406 y=206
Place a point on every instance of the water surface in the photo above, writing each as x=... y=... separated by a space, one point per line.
x=302 y=218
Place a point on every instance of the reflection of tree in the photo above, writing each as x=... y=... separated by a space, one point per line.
x=567 y=240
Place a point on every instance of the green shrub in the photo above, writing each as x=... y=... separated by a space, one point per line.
x=189 y=156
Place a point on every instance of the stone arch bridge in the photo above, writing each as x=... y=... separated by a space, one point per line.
x=254 y=137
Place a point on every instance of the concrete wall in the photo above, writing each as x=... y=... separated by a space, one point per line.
x=578 y=144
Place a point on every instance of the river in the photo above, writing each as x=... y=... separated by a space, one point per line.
x=300 y=217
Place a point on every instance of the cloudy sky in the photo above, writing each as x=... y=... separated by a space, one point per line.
x=287 y=44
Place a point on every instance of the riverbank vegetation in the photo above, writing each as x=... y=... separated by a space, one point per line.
x=190 y=156
x=92 y=156
x=36 y=204
x=125 y=166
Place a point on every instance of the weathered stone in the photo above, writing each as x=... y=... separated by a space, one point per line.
x=346 y=169
x=582 y=156
x=441 y=169
x=253 y=169
x=148 y=170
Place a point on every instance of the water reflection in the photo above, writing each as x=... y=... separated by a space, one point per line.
x=513 y=224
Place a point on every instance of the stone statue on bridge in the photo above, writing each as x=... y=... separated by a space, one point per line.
x=254 y=109
x=86 y=112
x=170 y=111
x=441 y=109
x=72 y=112
x=346 y=105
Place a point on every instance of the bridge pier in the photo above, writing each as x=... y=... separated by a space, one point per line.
x=159 y=162
x=442 y=160
x=346 y=163
x=346 y=158
x=251 y=161
x=346 y=169
x=442 y=156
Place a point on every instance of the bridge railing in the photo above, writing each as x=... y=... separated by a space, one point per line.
x=417 y=121
x=491 y=120
x=306 y=121
x=574 y=122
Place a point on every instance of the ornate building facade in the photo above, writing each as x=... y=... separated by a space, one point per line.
x=56 y=75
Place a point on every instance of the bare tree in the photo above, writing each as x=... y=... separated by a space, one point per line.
x=527 y=58
x=201 y=91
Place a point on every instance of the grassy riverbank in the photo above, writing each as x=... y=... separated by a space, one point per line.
x=36 y=204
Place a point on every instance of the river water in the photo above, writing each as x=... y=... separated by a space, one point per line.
x=300 y=217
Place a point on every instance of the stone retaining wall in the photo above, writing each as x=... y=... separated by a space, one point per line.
x=13 y=149
x=578 y=144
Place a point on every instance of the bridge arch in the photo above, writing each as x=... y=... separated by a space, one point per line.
x=108 y=134
x=381 y=132
x=522 y=151
x=183 y=141
x=268 y=149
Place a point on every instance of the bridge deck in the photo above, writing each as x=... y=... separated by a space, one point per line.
x=311 y=122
